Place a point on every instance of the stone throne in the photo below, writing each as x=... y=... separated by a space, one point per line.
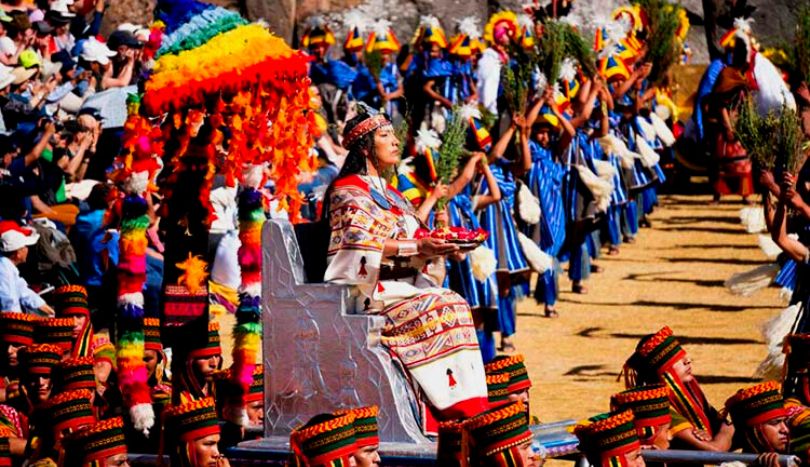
x=318 y=355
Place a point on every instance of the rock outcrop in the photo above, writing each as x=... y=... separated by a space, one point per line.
x=774 y=19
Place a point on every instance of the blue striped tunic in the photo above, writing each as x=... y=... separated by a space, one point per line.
x=544 y=179
x=498 y=221
x=460 y=275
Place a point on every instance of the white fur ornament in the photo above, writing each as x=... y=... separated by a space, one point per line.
x=648 y=156
x=483 y=263
x=774 y=331
x=614 y=145
x=528 y=205
x=662 y=130
x=538 y=260
x=753 y=219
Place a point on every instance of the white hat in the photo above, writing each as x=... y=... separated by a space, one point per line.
x=6 y=78
x=61 y=6
x=22 y=75
x=95 y=51
x=15 y=237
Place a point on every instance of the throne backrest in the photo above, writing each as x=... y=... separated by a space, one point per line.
x=317 y=356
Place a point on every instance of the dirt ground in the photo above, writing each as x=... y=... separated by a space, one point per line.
x=673 y=275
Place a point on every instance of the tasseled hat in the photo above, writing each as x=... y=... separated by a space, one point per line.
x=212 y=346
x=527 y=40
x=468 y=40
x=503 y=19
x=317 y=32
x=498 y=430
x=256 y=392
x=327 y=440
x=56 y=331
x=71 y=300
x=90 y=446
x=382 y=38
x=17 y=328
x=478 y=137
x=649 y=404
x=607 y=438
x=68 y=411
x=498 y=389
x=355 y=26
x=514 y=366
x=366 y=430
x=40 y=359
x=5 y=447
x=430 y=31
x=151 y=335
x=191 y=421
x=654 y=355
x=76 y=373
x=757 y=404
x=104 y=350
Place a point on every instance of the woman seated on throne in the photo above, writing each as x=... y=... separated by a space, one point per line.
x=374 y=248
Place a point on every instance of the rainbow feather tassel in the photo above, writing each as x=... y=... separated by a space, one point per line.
x=248 y=331
x=132 y=373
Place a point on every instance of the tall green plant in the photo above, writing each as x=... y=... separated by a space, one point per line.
x=663 y=48
x=802 y=43
x=451 y=152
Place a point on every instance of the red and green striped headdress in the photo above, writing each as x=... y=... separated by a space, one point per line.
x=256 y=392
x=71 y=300
x=652 y=363
x=212 y=346
x=191 y=421
x=56 y=331
x=77 y=373
x=17 y=328
x=757 y=405
x=91 y=446
x=327 y=440
x=366 y=431
x=497 y=433
x=800 y=432
x=656 y=353
x=151 y=335
x=607 y=438
x=69 y=411
x=104 y=350
x=498 y=389
x=40 y=359
x=514 y=366
x=650 y=407
x=5 y=448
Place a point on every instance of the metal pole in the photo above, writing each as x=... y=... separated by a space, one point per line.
x=706 y=457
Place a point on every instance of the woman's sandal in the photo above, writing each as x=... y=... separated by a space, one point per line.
x=613 y=251
x=579 y=289
x=551 y=313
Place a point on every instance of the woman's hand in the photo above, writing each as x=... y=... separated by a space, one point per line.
x=439 y=191
x=429 y=247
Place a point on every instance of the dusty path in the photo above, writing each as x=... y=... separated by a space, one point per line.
x=672 y=275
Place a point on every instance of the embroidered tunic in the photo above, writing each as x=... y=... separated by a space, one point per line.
x=430 y=329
